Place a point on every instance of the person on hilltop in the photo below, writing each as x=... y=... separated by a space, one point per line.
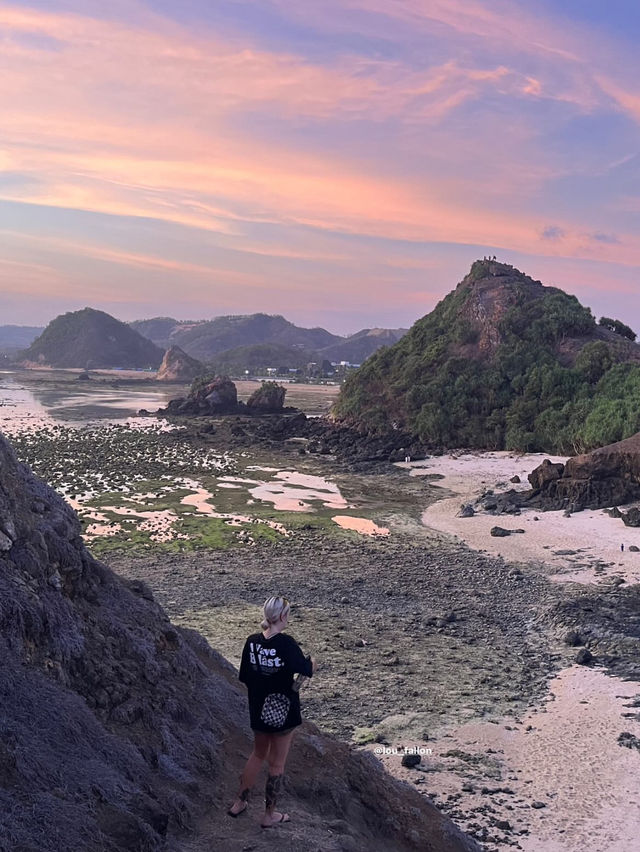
x=269 y=662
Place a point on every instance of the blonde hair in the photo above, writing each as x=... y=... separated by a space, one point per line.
x=274 y=609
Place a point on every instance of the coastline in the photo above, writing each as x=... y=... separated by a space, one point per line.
x=436 y=635
x=583 y=548
x=556 y=777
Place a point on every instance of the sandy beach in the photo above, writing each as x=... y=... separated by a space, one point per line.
x=593 y=536
x=557 y=776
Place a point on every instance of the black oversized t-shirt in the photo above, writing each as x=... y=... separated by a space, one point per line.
x=267 y=667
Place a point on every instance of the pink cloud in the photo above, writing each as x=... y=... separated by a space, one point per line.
x=143 y=121
x=627 y=101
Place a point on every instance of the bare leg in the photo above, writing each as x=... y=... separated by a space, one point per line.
x=252 y=768
x=278 y=752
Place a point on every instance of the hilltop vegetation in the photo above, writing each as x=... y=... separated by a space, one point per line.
x=92 y=339
x=502 y=362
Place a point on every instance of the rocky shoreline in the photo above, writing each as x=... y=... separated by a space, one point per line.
x=419 y=636
x=415 y=639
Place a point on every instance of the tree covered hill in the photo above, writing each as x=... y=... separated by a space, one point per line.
x=204 y=340
x=92 y=339
x=502 y=362
x=237 y=340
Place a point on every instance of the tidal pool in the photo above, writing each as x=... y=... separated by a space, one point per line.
x=361 y=525
x=290 y=491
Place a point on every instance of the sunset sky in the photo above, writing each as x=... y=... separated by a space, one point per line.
x=341 y=162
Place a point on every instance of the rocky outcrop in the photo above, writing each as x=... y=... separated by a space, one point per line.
x=608 y=476
x=111 y=720
x=545 y=473
x=215 y=396
x=177 y=366
x=268 y=398
x=120 y=731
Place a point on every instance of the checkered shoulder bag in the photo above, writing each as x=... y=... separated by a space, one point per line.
x=275 y=710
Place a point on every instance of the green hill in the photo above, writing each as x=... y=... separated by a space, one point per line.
x=204 y=340
x=228 y=339
x=502 y=362
x=92 y=339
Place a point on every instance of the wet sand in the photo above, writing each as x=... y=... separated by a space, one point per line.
x=557 y=775
x=592 y=535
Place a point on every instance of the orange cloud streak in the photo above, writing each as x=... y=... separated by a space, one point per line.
x=133 y=122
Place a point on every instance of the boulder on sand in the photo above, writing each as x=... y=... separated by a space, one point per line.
x=545 y=473
x=608 y=476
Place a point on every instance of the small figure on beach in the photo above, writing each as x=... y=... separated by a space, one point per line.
x=270 y=660
x=622 y=547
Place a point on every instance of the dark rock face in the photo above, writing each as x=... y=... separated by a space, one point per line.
x=584 y=657
x=219 y=396
x=118 y=731
x=545 y=473
x=111 y=722
x=631 y=518
x=629 y=740
x=268 y=398
x=607 y=621
x=608 y=476
x=507 y=503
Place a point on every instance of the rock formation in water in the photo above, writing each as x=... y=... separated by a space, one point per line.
x=268 y=398
x=177 y=366
x=502 y=362
x=217 y=395
x=120 y=731
x=91 y=339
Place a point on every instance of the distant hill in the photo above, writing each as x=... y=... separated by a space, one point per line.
x=358 y=347
x=90 y=338
x=16 y=337
x=229 y=338
x=207 y=339
x=502 y=362
x=163 y=330
x=234 y=362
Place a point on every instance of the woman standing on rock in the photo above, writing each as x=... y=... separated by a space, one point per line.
x=269 y=661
